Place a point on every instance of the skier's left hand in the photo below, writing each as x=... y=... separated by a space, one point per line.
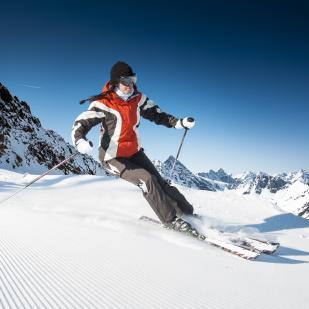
x=187 y=123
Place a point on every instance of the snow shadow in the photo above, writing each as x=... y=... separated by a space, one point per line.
x=280 y=257
x=289 y=251
x=6 y=186
x=46 y=183
x=277 y=259
x=280 y=222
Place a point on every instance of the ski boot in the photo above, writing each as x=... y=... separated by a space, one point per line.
x=181 y=225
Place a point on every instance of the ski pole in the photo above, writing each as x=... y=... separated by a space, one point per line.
x=39 y=177
x=183 y=137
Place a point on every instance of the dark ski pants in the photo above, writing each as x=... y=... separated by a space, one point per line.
x=165 y=200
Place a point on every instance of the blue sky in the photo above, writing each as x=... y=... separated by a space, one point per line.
x=240 y=68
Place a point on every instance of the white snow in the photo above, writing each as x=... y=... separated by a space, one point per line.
x=76 y=242
x=295 y=196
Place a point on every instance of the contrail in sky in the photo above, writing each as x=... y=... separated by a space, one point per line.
x=30 y=86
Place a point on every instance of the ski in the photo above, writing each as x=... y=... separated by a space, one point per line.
x=252 y=243
x=260 y=245
x=239 y=250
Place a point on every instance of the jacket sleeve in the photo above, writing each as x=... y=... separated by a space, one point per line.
x=149 y=110
x=85 y=121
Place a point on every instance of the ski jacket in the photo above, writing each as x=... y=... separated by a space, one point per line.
x=119 y=122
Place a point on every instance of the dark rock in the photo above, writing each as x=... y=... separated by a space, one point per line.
x=5 y=94
x=304 y=211
x=25 y=106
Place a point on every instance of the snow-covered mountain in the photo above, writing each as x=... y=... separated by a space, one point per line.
x=25 y=146
x=182 y=175
x=256 y=183
x=219 y=179
x=295 y=195
x=220 y=175
x=289 y=192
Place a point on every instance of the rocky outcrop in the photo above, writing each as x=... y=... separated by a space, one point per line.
x=25 y=146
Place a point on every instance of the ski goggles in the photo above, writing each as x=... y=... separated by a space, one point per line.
x=127 y=80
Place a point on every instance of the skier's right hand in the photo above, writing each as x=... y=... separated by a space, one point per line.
x=185 y=123
x=84 y=147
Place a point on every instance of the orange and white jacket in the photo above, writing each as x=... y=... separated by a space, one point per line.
x=119 y=121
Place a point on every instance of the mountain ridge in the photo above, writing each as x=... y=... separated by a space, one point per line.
x=289 y=192
x=25 y=146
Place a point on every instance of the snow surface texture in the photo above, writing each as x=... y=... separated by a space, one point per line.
x=25 y=146
x=75 y=241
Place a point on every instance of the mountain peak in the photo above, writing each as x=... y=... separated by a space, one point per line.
x=25 y=146
x=5 y=95
x=181 y=174
x=220 y=176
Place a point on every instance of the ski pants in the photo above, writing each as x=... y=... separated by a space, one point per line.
x=164 y=199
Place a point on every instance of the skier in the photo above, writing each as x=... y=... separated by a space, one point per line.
x=118 y=109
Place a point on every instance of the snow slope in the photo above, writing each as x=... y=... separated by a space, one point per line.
x=75 y=241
